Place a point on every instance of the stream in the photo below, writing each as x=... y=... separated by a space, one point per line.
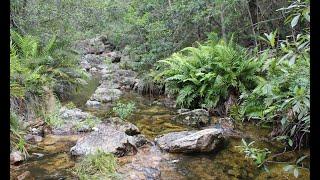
x=51 y=158
x=153 y=120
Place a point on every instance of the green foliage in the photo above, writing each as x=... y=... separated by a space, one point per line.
x=53 y=118
x=259 y=156
x=283 y=94
x=295 y=168
x=70 y=105
x=123 y=110
x=204 y=76
x=99 y=165
x=17 y=140
x=33 y=66
x=89 y=122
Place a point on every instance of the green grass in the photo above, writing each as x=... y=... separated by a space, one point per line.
x=97 y=166
x=90 y=122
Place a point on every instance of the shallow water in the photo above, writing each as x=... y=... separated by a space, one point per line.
x=153 y=119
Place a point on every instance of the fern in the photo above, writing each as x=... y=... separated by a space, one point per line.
x=203 y=75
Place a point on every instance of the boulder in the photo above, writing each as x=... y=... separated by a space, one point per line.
x=124 y=126
x=93 y=104
x=84 y=64
x=92 y=60
x=206 y=140
x=16 y=156
x=106 y=95
x=139 y=140
x=114 y=56
x=107 y=139
x=73 y=114
x=93 y=70
x=194 y=118
x=91 y=46
x=70 y=119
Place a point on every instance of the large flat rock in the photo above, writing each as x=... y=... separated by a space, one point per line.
x=110 y=138
x=206 y=140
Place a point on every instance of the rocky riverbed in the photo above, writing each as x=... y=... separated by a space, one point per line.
x=157 y=141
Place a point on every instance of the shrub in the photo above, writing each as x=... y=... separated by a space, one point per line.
x=282 y=96
x=259 y=156
x=123 y=110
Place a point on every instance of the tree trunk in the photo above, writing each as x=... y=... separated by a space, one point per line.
x=252 y=11
x=223 y=28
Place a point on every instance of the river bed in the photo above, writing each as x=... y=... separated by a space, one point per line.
x=153 y=119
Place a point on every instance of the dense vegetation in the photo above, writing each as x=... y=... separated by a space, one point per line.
x=246 y=59
x=271 y=85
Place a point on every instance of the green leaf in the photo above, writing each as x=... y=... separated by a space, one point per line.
x=295 y=21
x=301 y=159
x=290 y=142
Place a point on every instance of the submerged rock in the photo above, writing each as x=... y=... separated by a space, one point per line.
x=205 y=140
x=194 y=118
x=144 y=165
x=24 y=175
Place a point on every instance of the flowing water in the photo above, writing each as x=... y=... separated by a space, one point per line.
x=154 y=119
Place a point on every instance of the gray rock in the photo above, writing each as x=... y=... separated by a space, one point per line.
x=93 y=104
x=36 y=131
x=91 y=46
x=126 y=73
x=124 y=126
x=105 y=72
x=107 y=139
x=182 y=110
x=93 y=70
x=84 y=64
x=33 y=138
x=92 y=59
x=73 y=114
x=106 y=95
x=139 y=140
x=194 y=118
x=16 y=156
x=114 y=56
x=109 y=85
x=70 y=119
x=205 y=140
